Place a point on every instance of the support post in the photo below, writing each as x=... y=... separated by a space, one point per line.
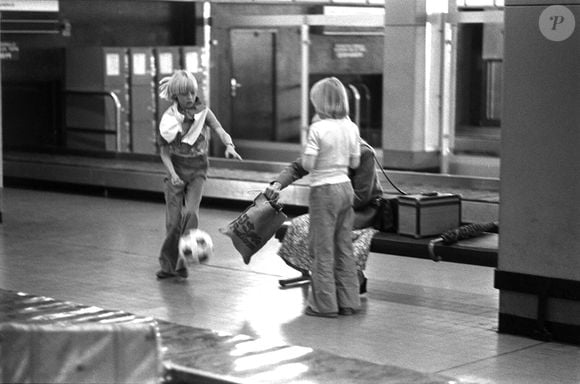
x=304 y=84
x=539 y=213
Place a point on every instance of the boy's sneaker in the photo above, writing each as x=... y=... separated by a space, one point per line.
x=167 y=275
x=346 y=311
x=182 y=273
x=311 y=312
x=164 y=275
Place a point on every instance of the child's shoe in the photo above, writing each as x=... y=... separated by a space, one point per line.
x=164 y=275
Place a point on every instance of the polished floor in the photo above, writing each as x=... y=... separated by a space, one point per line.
x=432 y=318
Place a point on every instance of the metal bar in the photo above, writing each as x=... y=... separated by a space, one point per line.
x=491 y=111
x=305 y=37
x=91 y=130
x=489 y=94
x=368 y=99
x=30 y=21
x=447 y=94
x=1 y=138
x=207 y=48
x=369 y=21
x=495 y=16
x=361 y=3
x=116 y=103
x=356 y=97
x=29 y=32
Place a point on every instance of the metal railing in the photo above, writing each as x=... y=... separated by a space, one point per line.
x=117 y=107
x=356 y=100
x=35 y=27
x=361 y=94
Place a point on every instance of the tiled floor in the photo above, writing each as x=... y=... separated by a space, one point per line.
x=435 y=318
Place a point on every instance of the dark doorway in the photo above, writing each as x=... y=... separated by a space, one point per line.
x=252 y=84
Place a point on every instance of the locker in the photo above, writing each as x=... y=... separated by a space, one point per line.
x=143 y=114
x=167 y=61
x=194 y=59
x=90 y=115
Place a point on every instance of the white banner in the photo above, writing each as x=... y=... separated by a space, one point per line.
x=29 y=5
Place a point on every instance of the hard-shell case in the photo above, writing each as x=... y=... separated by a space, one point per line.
x=424 y=215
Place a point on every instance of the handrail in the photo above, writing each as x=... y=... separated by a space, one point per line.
x=33 y=26
x=367 y=98
x=491 y=110
x=116 y=103
x=356 y=97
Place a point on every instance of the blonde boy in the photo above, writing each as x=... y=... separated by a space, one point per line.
x=184 y=133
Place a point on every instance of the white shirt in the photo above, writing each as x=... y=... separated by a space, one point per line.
x=333 y=142
x=172 y=123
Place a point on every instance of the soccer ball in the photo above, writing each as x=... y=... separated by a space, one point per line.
x=195 y=247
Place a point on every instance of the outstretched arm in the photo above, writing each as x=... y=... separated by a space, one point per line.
x=292 y=172
x=231 y=152
x=226 y=139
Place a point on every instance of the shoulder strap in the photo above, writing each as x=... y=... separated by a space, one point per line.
x=385 y=174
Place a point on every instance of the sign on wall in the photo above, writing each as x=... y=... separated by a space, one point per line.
x=9 y=50
x=349 y=50
x=29 y=5
x=557 y=23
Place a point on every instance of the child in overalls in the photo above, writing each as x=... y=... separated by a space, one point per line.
x=331 y=149
x=185 y=130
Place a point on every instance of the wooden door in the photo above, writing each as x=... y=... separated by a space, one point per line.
x=252 y=84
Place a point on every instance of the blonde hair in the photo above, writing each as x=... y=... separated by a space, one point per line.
x=329 y=98
x=180 y=83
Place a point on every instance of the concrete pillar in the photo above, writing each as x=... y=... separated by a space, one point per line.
x=1 y=146
x=411 y=86
x=538 y=271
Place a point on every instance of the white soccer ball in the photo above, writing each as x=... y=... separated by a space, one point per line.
x=195 y=247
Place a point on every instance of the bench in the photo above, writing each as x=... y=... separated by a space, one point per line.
x=481 y=250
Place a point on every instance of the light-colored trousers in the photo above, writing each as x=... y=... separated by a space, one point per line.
x=182 y=204
x=334 y=281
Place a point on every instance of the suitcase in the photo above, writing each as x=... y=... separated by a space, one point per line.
x=386 y=218
x=80 y=353
x=429 y=214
